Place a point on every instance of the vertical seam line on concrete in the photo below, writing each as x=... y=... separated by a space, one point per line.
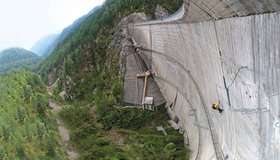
x=222 y=65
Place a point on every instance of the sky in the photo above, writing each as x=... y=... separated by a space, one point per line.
x=24 y=22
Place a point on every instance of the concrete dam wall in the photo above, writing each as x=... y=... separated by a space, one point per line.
x=233 y=61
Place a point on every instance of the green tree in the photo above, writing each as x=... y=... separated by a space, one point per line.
x=27 y=93
x=6 y=132
x=41 y=130
x=20 y=152
x=50 y=145
x=21 y=114
x=2 y=153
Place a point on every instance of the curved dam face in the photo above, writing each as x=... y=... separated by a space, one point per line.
x=234 y=62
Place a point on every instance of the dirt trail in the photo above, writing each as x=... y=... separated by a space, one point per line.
x=63 y=131
x=51 y=88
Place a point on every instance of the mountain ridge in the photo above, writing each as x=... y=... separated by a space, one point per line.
x=17 y=58
x=47 y=44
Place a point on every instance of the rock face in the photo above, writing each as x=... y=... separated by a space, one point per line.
x=53 y=82
x=161 y=12
x=122 y=41
x=52 y=77
x=66 y=94
x=130 y=66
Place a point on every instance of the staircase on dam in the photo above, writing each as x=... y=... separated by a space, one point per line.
x=219 y=50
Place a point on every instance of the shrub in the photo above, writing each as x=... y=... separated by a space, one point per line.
x=120 y=156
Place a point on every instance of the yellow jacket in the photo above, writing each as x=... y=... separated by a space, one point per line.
x=216 y=105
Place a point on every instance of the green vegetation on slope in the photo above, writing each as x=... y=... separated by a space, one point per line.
x=27 y=128
x=84 y=55
x=107 y=132
x=89 y=71
x=17 y=58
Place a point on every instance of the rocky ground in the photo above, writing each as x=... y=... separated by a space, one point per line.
x=63 y=131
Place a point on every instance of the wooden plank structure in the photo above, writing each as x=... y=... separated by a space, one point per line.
x=139 y=84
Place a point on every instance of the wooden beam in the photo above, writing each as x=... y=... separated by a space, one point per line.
x=147 y=73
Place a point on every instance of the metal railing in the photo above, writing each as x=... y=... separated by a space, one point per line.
x=174 y=17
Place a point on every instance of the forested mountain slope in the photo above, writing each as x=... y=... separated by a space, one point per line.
x=84 y=57
x=15 y=58
x=85 y=68
x=27 y=128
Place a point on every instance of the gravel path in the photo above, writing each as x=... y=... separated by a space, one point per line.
x=63 y=131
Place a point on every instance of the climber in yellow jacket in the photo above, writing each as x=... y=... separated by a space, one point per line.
x=216 y=106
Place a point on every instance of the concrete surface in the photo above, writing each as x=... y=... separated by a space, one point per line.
x=134 y=86
x=234 y=61
x=193 y=11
